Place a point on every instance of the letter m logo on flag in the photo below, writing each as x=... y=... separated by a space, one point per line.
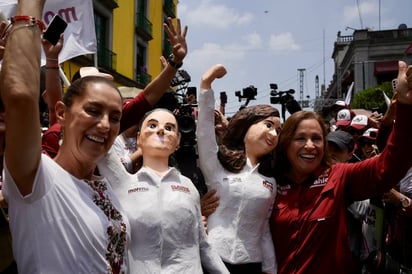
x=79 y=36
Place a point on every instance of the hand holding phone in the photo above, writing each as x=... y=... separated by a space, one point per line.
x=56 y=27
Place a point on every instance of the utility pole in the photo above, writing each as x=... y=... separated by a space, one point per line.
x=301 y=81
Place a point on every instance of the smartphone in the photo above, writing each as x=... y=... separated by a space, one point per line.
x=55 y=29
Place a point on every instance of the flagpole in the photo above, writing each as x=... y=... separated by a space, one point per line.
x=63 y=77
x=95 y=60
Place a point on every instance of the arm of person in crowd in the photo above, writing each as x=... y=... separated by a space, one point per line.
x=220 y=126
x=54 y=89
x=20 y=82
x=404 y=84
x=136 y=160
x=177 y=37
x=398 y=199
x=379 y=174
x=209 y=202
x=133 y=112
x=386 y=124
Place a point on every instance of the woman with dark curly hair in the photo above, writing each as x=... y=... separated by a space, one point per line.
x=238 y=169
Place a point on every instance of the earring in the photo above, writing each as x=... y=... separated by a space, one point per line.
x=61 y=136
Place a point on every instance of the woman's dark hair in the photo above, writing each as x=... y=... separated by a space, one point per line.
x=282 y=164
x=78 y=87
x=231 y=152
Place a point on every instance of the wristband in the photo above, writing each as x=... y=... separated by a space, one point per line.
x=173 y=63
x=28 y=19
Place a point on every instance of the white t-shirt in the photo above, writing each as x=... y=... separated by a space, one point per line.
x=58 y=228
x=239 y=228
x=166 y=226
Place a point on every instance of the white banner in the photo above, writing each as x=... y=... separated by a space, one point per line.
x=79 y=36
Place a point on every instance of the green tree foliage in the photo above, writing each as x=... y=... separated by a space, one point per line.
x=372 y=98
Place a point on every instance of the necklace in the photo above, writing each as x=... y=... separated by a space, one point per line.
x=116 y=229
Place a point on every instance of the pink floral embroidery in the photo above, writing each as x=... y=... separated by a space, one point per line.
x=116 y=229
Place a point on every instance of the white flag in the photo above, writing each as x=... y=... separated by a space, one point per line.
x=348 y=98
x=387 y=100
x=79 y=36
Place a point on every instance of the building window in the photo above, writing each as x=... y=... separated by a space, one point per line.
x=105 y=57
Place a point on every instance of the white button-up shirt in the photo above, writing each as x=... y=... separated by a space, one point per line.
x=239 y=229
x=167 y=232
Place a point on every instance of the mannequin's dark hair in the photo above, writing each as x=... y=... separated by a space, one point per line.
x=231 y=152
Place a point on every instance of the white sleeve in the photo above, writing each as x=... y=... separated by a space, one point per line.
x=113 y=170
x=269 y=263
x=41 y=185
x=406 y=184
x=206 y=138
x=117 y=148
x=210 y=259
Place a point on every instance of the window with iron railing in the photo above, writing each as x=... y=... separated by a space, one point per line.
x=105 y=57
x=144 y=26
x=143 y=78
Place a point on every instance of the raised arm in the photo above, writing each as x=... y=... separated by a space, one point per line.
x=404 y=84
x=216 y=71
x=19 y=85
x=207 y=145
x=54 y=89
x=158 y=86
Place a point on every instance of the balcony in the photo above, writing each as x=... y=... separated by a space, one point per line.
x=143 y=78
x=169 y=8
x=106 y=58
x=143 y=27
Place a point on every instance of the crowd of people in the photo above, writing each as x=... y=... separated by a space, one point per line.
x=97 y=192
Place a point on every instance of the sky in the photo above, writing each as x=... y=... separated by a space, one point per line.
x=269 y=41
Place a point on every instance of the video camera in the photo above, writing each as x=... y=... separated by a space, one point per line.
x=284 y=98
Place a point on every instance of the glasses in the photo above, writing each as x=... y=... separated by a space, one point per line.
x=364 y=143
